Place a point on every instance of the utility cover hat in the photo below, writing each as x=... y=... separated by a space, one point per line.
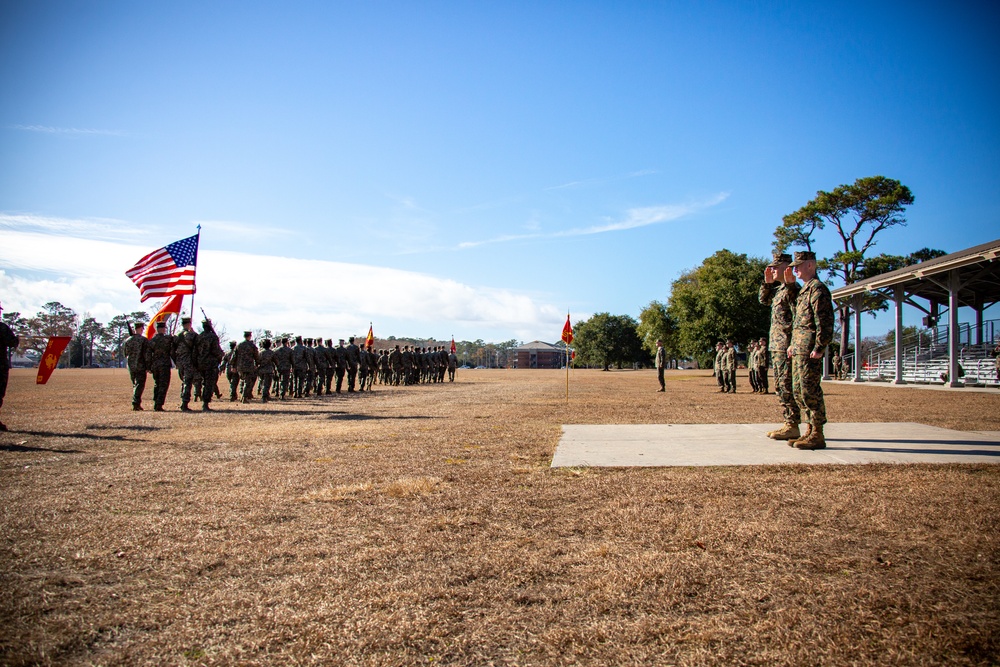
x=803 y=256
x=780 y=258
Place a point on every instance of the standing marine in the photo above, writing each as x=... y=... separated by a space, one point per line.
x=246 y=365
x=208 y=356
x=137 y=356
x=8 y=343
x=812 y=332
x=161 y=347
x=183 y=358
x=780 y=291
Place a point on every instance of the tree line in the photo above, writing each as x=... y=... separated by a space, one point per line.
x=95 y=343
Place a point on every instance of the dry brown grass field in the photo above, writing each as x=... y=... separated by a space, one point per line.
x=423 y=525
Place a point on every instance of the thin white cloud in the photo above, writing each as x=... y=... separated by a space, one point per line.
x=68 y=130
x=100 y=228
x=243 y=230
x=634 y=218
x=601 y=180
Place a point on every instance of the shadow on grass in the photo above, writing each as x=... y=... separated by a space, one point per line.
x=22 y=448
x=82 y=436
x=127 y=427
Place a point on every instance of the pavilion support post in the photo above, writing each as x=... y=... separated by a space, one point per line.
x=857 y=337
x=953 y=332
x=979 y=318
x=898 y=297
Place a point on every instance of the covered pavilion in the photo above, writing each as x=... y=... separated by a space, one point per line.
x=969 y=277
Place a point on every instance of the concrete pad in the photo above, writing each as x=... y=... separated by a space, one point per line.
x=627 y=445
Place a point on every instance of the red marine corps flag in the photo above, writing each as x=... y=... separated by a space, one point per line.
x=47 y=364
x=171 y=307
x=167 y=271
x=453 y=348
x=567 y=337
x=567 y=331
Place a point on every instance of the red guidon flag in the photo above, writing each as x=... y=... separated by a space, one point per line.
x=370 y=338
x=49 y=360
x=567 y=335
x=453 y=348
x=171 y=307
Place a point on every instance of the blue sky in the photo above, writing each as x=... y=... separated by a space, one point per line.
x=469 y=169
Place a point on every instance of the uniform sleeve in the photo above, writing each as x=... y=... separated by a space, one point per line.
x=822 y=306
x=767 y=292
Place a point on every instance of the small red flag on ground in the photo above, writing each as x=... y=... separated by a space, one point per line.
x=167 y=271
x=171 y=307
x=370 y=339
x=453 y=348
x=48 y=362
x=567 y=335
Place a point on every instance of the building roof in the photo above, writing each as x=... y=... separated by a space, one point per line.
x=978 y=275
x=538 y=345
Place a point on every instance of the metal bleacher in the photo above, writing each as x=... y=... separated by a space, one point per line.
x=925 y=358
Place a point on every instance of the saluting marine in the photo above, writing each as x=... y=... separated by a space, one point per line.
x=780 y=291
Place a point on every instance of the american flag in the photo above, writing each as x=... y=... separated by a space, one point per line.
x=167 y=271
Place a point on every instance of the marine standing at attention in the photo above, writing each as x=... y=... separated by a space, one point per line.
x=812 y=332
x=207 y=357
x=8 y=343
x=183 y=358
x=661 y=362
x=780 y=292
x=246 y=365
x=161 y=346
x=136 y=351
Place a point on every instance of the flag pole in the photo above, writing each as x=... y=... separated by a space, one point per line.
x=197 y=245
x=566 y=345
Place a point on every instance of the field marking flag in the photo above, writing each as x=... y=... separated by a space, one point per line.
x=370 y=339
x=167 y=271
x=49 y=360
x=171 y=307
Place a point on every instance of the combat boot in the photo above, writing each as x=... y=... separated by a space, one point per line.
x=792 y=441
x=185 y=408
x=789 y=431
x=814 y=440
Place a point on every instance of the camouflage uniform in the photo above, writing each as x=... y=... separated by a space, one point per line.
x=353 y=356
x=812 y=331
x=229 y=363
x=300 y=366
x=452 y=365
x=267 y=366
x=161 y=346
x=283 y=362
x=137 y=354
x=246 y=365
x=720 y=376
x=183 y=350
x=8 y=341
x=762 y=366
x=310 y=356
x=207 y=357
x=781 y=297
x=729 y=364
x=322 y=366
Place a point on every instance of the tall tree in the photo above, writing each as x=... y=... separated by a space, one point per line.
x=655 y=322
x=716 y=301
x=54 y=319
x=858 y=212
x=607 y=339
